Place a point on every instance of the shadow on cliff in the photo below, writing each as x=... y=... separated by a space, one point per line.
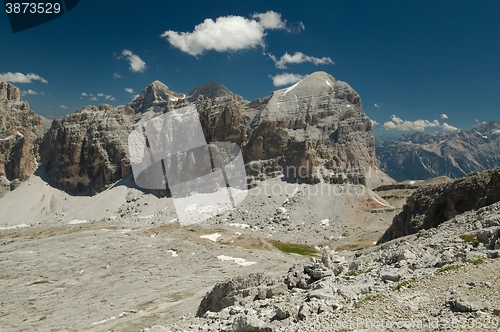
x=127 y=181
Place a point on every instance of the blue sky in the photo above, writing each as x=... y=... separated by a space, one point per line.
x=416 y=64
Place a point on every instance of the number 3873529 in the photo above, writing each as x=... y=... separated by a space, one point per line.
x=32 y=8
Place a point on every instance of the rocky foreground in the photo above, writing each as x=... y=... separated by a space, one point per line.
x=437 y=279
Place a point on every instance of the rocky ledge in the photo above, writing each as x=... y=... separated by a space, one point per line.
x=429 y=206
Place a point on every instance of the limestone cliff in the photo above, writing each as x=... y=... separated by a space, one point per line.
x=20 y=133
x=87 y=150
x=315 y=125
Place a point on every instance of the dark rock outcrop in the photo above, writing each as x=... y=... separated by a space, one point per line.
x=430 y=206
x=20 y=133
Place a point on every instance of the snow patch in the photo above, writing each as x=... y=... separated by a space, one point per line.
x=239 y=261
x=328 y=83
x=290 y=88
x=211 y=237
x=325 y=222
x=77 y=221
x=174 y=253
x=239 y=225
x=14 y=227
x=147 y=217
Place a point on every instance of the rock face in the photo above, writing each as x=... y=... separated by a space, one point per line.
x=455 y=154
x=20 y=133
x=155 y=97
x=430 y=206
x=87 y=150
x=318 y=123
x=211 y=90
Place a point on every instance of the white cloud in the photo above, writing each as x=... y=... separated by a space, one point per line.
x=447 y=127
x=97 y=96
x=29 y=92
x=397 y=123
x=405 y=125
x=135 y=97
x=226 y=33
x=21 y=78
x=116 y=75
x=444 y=116
x=270 y=20
x=285 y=79
x=64 y=106
x=375 y=123
x=136 y=63
x=299 y=57
x=129 y=90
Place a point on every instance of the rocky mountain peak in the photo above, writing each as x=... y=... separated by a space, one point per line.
x=492 y=127
x=212 y=90
x=155 y=97
x=9 y=92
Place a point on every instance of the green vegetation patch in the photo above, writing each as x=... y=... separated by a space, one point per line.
x=358 y=272
x=454 y=267
x=469 y=238
x=403 y=284
x=477 y=261
x=368 y=299
x=293 y=248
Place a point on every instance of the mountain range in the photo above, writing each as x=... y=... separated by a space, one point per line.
x=453 y=154
x=316 y=124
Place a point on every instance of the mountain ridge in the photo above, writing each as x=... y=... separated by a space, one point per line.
x=421 y=155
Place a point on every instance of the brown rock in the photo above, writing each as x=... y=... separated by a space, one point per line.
x=20 y=133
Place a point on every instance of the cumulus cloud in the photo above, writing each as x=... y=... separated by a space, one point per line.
x=29 y=92
x=97 y=96
x=397 y=123
x=447 y=127
x=375 y=123
x=21 y=78
x=405 y=125
x=270 y=20
x=444 y=116
x=226 y=33
x=285 y=79
x=136 y=63
x=299 y=57
x=64 y=107
x=129 y=90
x=116 y=75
